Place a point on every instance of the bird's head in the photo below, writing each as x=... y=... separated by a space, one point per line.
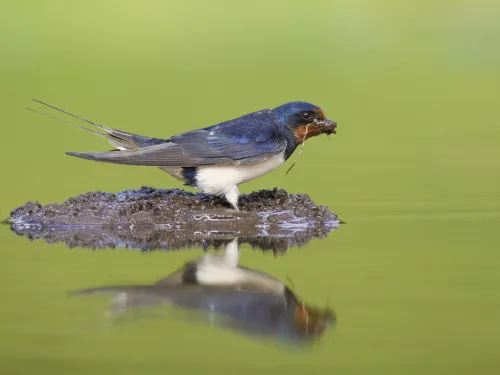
x=304 y=120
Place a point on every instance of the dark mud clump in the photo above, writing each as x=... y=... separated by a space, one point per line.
x=150 y=218
x=156 y=206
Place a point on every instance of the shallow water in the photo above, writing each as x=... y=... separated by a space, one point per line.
x=407 y=300
x=414 y=170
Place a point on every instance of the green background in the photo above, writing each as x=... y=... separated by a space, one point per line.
x=414 y=169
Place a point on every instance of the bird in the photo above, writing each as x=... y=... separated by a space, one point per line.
x=218 y=158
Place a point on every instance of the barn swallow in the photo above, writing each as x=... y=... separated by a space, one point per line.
x=218 y=158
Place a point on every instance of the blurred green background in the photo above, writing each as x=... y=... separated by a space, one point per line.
x=414 y=169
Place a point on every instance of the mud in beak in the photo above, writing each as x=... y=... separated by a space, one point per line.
x=328 y=126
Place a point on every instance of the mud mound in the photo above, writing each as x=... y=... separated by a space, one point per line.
x=150 y=218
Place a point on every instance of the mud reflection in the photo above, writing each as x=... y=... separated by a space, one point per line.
x=215 y=290
x=273 y=237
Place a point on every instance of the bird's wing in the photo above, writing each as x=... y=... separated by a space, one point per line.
x=249 y=139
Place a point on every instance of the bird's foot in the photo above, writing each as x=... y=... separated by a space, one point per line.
x=232 y=195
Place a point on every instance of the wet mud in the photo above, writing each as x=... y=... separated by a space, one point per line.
x=156 y=219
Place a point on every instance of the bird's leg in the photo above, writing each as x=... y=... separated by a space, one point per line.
x=231 y=255
x=232 y=195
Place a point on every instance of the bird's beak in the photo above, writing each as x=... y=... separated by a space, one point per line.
x=328 y=126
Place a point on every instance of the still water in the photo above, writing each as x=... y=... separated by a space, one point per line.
x=405 y=299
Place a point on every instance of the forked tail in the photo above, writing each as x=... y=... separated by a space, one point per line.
x=117 y=138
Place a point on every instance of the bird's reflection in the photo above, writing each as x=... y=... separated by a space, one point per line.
x=218 y=291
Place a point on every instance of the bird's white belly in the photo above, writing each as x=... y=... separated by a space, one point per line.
x=218 y=179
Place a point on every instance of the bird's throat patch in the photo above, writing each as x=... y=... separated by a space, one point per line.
x=304 y=132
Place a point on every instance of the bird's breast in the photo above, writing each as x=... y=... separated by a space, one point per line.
x=217 y=179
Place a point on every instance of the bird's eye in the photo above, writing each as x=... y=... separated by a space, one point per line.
x=305 y=115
